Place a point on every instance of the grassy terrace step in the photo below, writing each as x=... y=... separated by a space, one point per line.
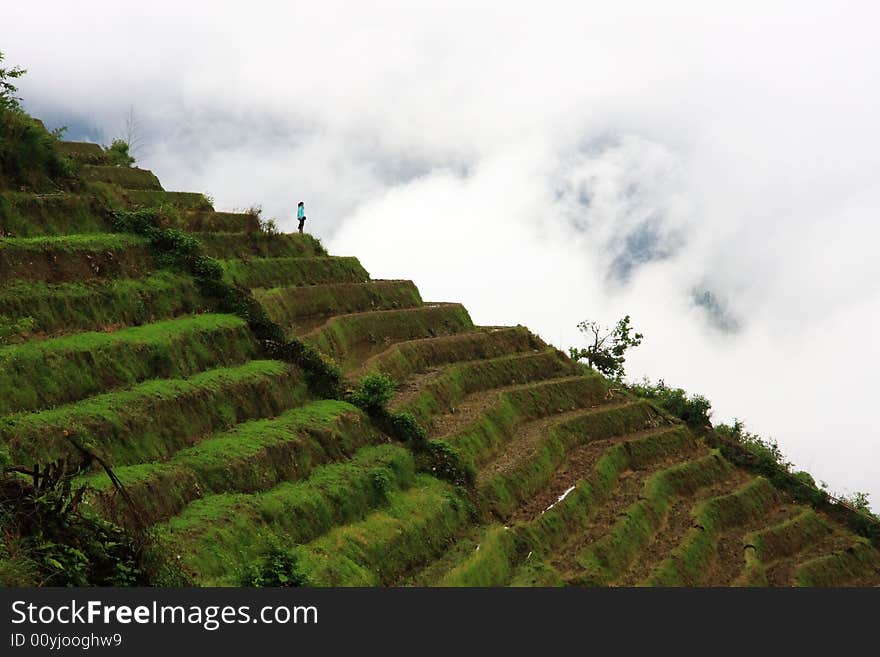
x=532 y=457
x=67 y=307
x=440 y=391
x=403 y=359
x=35 y=215
x=690 y=562
x=676 y=520
x=520 y=553
x=260 y=245
x=157 y=418
x=414 y=528
x=150 y=198
x=43 y=373
x=856 y=565
x=253 y=456
x=292 y=306
x=352 y=338
x=614 y=546
x=84 y=152
x=272 y=272
x=125 y=177
x=479 y=439
x=780 y=542
x=204 y=221
x=74 y=258
x=481 y=556
x=219 y=535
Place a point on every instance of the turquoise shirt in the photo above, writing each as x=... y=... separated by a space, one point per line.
x=300 y=211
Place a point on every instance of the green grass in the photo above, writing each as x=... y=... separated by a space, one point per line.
x=271 y=272
x=35 y=215
x=345 y=336
x=156 y=418
x=125 y=177
x=503 y=493
x=203 y=221
x=689 y=562
x=73 y=258
x=487 y=435
x=490 y=563
x=221 y=534
x=144 y=198
x=442 y=394
x=405 y=358
x=610 y=556
x=91 y=306
x=287 y=305
x=412 y=529
x=252 y=456
x=860 y=560
x=43 y=373
x=231 y=245
x=782 y=540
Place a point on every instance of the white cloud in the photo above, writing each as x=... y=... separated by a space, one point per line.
x=735 y=151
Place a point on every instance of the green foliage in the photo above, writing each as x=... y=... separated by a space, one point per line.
x=860 y=501
x=10 y=329
x=8 y=100
x=372 y=396
x=445 y=461
x=607 y=351
x=693 y=409
x=277 y=567
x=406 y=428
x=767 y=452
x=373 y=392
x=118 y=155
x=63 y=544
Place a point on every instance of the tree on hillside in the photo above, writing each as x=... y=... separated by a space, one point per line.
x=8 y=101
x=607 y=347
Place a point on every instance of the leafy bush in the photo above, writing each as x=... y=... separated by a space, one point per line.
x=373 y=392
x=277 y=567
x=767 y=452
x=10 y=329
x=444 y=461
x=693 y=409
x=406 y=428
x=56 y=541
x=118 y=155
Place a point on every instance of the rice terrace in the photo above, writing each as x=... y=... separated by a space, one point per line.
x=190 y=397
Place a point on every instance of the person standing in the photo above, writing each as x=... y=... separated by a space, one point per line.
x=301 y=215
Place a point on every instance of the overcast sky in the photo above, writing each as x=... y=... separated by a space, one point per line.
x=712 y=174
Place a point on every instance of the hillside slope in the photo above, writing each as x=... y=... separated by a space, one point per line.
x=230 y=452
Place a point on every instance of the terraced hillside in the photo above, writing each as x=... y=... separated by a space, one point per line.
x=226 y=451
